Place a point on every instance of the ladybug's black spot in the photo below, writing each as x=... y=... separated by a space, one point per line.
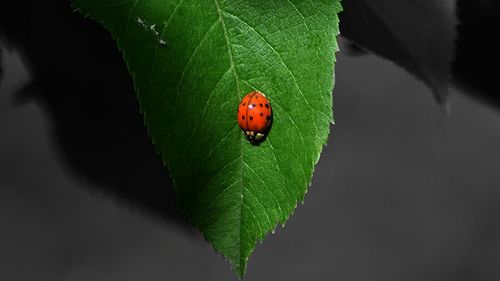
x=243 y=117
x=243 y=103
x=251 y=118
x=260 y=104
x=268 y=117
x=267 y=105
x=261 y=114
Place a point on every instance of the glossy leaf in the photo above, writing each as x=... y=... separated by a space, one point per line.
x=192 y=62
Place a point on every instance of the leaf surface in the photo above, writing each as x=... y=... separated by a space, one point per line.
x=192 y=61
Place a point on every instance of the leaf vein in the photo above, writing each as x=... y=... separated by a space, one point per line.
x=270 y=190
x=189 y=142
x=300 y=14
x=281 y=61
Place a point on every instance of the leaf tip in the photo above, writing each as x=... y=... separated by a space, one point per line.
x=445 y=107
x=442 y=98
x=240 y=268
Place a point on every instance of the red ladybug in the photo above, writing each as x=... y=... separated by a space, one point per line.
x=255 y=116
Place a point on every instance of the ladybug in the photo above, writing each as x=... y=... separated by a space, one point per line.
x=255 y=116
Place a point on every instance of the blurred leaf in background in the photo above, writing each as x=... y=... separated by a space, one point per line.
x=417 y=35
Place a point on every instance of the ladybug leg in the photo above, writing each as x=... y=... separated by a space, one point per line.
x=251 y=136
x=255 y=138
x=259 y=136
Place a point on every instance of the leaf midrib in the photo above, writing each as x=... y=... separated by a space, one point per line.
x=232 y=65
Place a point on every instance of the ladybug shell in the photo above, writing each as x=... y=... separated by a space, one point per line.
x=255 y=116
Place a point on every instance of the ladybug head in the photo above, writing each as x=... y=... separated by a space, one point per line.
x=255 y=138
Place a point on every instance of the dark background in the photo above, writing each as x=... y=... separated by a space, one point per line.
x=402 y=191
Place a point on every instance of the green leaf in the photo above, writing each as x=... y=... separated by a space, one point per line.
x=192 y=61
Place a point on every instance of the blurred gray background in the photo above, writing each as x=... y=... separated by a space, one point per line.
x=401 y=192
